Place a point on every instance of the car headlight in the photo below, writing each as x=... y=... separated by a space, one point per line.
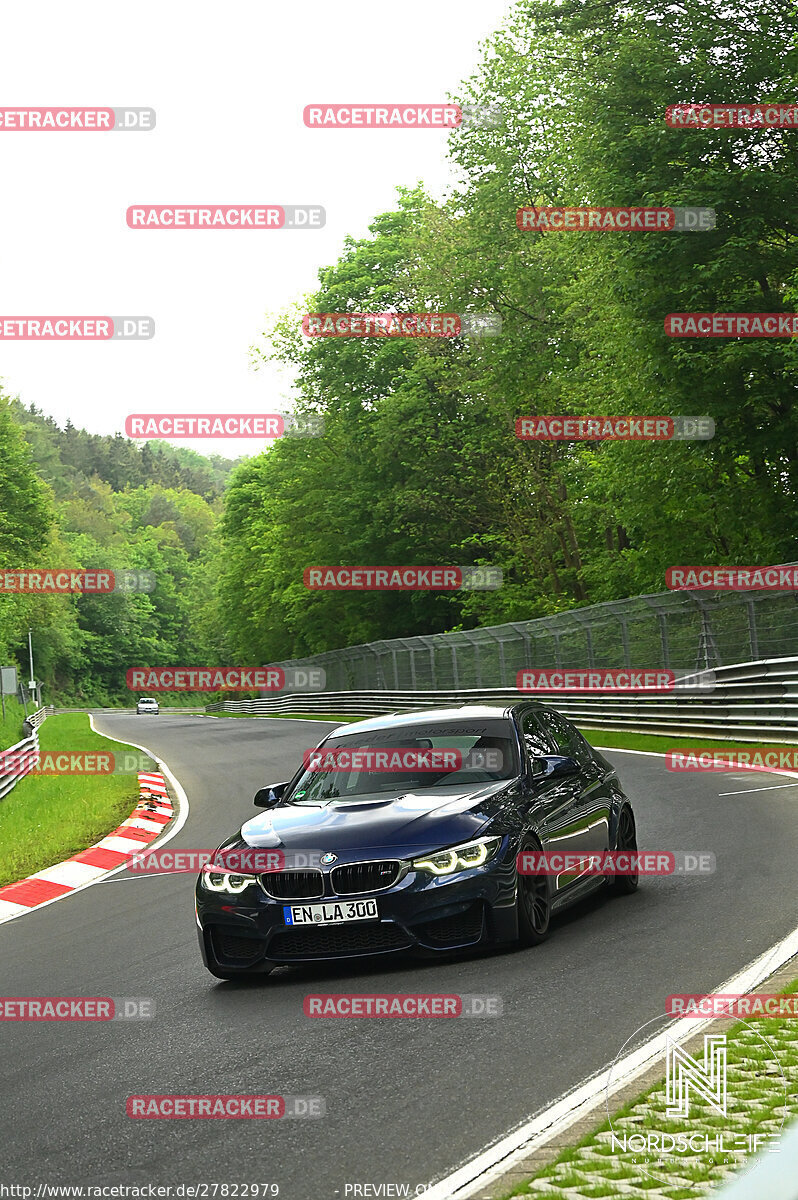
x=223 y=881
x=459 y=858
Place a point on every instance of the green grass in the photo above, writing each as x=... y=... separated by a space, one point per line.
x=48 y=818
x=622 y=739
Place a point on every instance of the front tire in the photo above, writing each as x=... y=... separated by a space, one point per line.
x=626 y=839
x=533 y=901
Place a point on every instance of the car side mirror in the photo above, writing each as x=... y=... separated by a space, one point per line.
x=269 y=796
x=551 y=766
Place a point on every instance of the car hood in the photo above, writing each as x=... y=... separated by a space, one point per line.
x=407 y=822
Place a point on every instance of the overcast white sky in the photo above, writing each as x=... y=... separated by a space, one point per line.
x=228 y=83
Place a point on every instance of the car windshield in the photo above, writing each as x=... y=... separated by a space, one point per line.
x=407 y=757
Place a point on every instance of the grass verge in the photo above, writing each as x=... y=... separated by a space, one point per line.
x=47 y=818
x=622 y=739
x=595 y=1167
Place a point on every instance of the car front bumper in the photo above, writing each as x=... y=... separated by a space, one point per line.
x=428 y=915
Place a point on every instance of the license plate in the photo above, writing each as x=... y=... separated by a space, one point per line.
x=331 y=913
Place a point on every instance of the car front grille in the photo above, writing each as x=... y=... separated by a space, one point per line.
x=353 y=878
x=233 y=947
x=327 y=942
x=292 y=885
x=462 y=929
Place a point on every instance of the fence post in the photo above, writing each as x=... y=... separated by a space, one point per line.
x=625 y=640
x=455 y=673
x=706 y=640
x=663 y=639
x=753 y=638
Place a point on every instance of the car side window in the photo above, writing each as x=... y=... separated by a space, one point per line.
x=535 y=741
x=567 y=740
x=583 y=752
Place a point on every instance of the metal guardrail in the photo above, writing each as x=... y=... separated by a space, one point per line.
x=27 y=750
x=680 y=630
x=36 y=719
x=752 y=702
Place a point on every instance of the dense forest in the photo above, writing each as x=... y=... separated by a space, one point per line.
x=419 y=462
x=73 y=499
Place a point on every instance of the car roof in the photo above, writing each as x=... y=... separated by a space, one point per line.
x=431 y=716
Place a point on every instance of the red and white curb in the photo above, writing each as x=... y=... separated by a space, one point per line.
x=147 y=822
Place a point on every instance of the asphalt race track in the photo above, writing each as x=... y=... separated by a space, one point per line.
x=407 y=1100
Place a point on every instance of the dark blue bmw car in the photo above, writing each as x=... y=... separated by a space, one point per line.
x=402 y=833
